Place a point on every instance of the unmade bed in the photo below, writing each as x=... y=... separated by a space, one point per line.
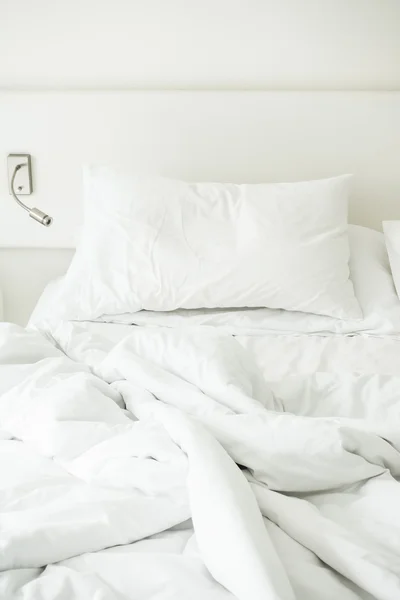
x=197 y=453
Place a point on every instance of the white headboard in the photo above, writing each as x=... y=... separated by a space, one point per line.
x=227 y=136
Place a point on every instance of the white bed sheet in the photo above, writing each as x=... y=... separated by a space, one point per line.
x=340 y=541
x=352 y=376
x=282 y=355
x=333 y=367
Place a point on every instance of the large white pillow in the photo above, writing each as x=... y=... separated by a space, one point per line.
x=161 y=244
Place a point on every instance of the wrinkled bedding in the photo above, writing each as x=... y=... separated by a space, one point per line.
x=184 y=463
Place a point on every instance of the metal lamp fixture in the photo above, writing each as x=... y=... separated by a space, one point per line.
x=34 y=213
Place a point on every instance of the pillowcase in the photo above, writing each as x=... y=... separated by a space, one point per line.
x=391 y=230
x=160 y=244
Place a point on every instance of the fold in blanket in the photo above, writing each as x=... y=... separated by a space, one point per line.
x=110 y=452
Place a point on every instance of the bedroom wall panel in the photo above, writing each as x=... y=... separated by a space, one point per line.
x=222 y=136
x=193 y=44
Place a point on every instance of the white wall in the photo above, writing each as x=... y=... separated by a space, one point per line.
x=259 y=44
x=225 y=136
x=23 y=276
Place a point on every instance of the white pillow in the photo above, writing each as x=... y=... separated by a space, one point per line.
x=391 y=230
x=161 y=244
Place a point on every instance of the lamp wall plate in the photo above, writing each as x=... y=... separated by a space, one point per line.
x=23 y=178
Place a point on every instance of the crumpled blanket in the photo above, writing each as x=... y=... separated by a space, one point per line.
x=163 y=466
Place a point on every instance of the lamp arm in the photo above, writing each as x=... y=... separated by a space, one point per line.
x=34 y=213
x=14 y=195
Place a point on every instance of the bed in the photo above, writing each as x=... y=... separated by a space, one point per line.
x=199 y=450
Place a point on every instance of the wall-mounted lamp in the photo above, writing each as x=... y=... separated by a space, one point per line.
x=16 y=163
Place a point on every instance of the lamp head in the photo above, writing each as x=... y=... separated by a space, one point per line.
x=40 y=217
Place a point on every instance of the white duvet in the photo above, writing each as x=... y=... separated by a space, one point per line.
x=187 y=464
